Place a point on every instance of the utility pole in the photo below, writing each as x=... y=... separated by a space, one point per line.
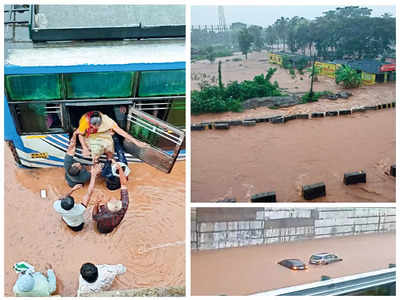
x=312 y=78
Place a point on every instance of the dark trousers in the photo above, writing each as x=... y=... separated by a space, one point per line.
x=76 y=228
x=107 y=172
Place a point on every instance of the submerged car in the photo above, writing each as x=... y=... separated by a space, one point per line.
x=324 y=258
x=293 y=264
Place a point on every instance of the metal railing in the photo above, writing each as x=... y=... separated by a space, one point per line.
x=338 y=286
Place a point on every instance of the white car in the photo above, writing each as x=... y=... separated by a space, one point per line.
x=324 y=258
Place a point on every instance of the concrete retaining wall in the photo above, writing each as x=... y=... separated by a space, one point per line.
x=284 y=119
x=217 y=228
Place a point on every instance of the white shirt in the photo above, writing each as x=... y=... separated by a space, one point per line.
x=74 y=216
x=106 y=273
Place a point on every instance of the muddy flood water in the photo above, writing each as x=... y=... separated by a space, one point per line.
x=257 y=63
x=150 y=241
x=248 y=270
x=243 y=161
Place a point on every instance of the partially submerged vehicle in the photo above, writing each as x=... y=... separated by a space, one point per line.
x=293 y=264
x=324 y=258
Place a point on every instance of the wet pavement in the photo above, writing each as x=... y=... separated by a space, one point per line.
x=150 y=241
x=248 y=270
x=243 y=161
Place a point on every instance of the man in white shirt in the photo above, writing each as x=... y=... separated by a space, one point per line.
x=97 y=278
x=71 y=212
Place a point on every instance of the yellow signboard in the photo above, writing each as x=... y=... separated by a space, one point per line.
x=40 y=155
x=275 y=58
x=327 y=69
x=368 y=78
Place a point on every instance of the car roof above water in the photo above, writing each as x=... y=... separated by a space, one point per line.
x=321 y=254
x=294 y=261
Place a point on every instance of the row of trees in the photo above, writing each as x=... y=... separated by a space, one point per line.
x=348 y=32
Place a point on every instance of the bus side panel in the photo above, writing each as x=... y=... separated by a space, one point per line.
x=10 y=132
x=43 y=150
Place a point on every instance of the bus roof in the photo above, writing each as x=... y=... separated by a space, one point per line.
x=98 y=53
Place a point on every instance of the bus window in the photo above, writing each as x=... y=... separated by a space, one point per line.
x=99 y=85
x=162 y=83
x=33 y=87
x=39 y=117
x=176 y=114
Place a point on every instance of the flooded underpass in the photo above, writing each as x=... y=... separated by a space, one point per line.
x=243 y=161
x=248 y=270
x=150 y=241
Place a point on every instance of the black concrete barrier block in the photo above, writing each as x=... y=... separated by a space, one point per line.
x=344 y=112
x=324 y=277
x=317 y=115
x=249 y=122
x=259 y=120
x=197 y=127
x=235 y=122
x=354 y=177
x=228 y=200
x=331 y=113
x=384 y=105
x=372 y=107
x=301 y=116
x=221 y=126
x=393 y=170
x=289 y=118
x=250 y=119
x=358 y=109
x=313 y=191
x=266 y=119
x=277 y=120
x=264 y=197
x=207 y=125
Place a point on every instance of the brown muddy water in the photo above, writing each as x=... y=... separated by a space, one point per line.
x=248 y=270
x=257 y=63
x=243 y=161
x=150 y=241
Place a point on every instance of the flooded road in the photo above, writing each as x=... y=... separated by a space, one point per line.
x=243 y=161
x=257 y=63
x=150 y=241
x=247 y=270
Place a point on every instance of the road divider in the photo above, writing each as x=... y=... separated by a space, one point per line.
x=393 y=170
x=264 y=197
x=313 y=191
x=354 y=177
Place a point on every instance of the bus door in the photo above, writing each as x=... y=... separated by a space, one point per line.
x=116 y=110
x=164 y=140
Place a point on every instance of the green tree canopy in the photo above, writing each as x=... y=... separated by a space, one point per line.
x=245 y=39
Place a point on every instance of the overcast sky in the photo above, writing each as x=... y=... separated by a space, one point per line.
x=266 y=15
